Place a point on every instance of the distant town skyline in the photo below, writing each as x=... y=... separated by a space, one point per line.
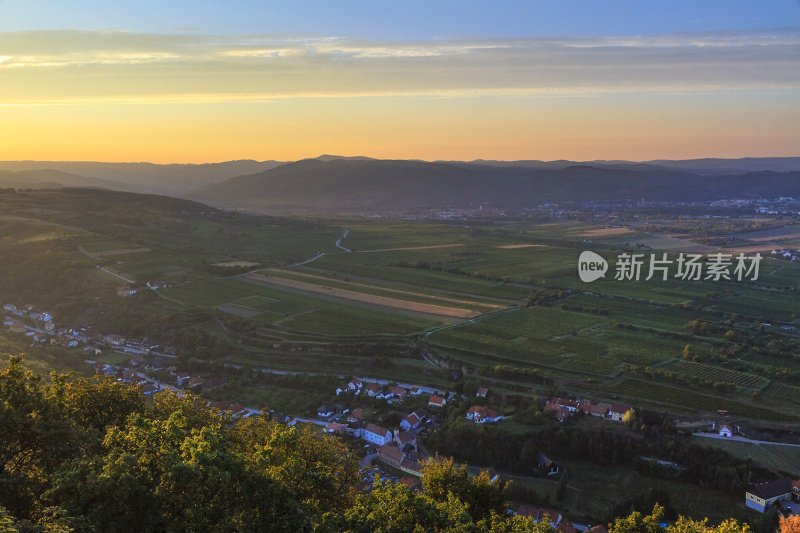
x=204 y=81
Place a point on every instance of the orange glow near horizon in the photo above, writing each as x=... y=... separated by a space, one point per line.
x=166 y=98
x=628 y=127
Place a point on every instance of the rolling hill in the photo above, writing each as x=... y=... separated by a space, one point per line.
x=364 y=184
x=138 y=177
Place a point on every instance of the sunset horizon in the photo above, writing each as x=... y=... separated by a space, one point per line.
x=533 y=81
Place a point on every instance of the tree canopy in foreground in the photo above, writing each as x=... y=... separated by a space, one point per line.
x=90 y=454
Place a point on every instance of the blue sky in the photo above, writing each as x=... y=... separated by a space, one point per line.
x=402 y=20
x=200 y=80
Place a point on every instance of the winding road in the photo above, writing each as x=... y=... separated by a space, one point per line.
x=338 y=244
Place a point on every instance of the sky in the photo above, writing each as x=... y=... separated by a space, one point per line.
x=201 y=81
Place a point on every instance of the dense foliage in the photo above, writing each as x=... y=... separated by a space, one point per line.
x=91 y=454
x=702 y=465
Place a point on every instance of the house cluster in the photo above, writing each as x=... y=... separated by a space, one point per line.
x=782 y=494
x=373 y=389
x=559 y=522
x=183 y=379
x=352 y=423
x=130 y=346
x=397 y=447
x=126 y=375
x=43 y=325
x=236 y=410
x=40 y=326
x=29 y=312
x=563 y=409
x=482 y=415
x=787 y=253
x=171 y=379
x=126 y=290
x=402 y=459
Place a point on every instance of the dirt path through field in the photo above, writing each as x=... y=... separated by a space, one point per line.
x=386 y=289
x=431 y=247
x=383 y=301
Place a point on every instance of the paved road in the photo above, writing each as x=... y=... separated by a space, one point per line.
x=104 y=269
x=339 y=241
x=338 y=244
x=107 y=271
x=471 y=320
x=743 y=439
x=301 y=263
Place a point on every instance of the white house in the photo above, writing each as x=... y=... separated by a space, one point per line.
x=410 y=422
x=725 y=431
x=483 y=415
x=376 y=435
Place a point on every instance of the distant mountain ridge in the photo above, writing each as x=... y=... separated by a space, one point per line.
x=48 y=178
x=329 y=182
x=172 y=179
x=366 y=184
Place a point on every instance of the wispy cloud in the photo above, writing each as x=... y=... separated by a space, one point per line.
x=115 y=66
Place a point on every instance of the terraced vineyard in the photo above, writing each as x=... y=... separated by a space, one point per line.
x=772 y=456
x=717 y=374
x=672 y=397
x=782 y=391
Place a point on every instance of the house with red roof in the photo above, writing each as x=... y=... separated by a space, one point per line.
x=336 y=428
x=397 y=392
x=599 y=409
x=483 y=415
x=618 y=410
x=391 y=455
x=405 y=438
x=560 y=412
x=355 y=415
x=411 y=467
x=410 y=422
x=372 y=388
x=539 y=515
x=436 y=401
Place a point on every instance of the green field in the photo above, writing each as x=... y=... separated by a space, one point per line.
x=668 y=397
x=270 y=306
x=716 y=373
x=772 y=456
x=582 y=338
x=602 y=487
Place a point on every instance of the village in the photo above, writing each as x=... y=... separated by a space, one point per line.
x=393 y=453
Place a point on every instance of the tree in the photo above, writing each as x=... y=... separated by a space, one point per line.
x=316 y=469
x=36 y=437
x=441 y=478
x=160 y=474
x=629 y=418
x=636 y=522
x=97 y=402
x=789 y=524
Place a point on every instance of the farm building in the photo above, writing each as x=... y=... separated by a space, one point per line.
x=764 y=496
